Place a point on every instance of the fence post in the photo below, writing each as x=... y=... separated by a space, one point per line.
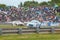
x=37 y=30
x=0 y=31
x=52 y=30
x=20 y=30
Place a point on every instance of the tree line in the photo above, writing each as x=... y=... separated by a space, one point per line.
x=35 y=3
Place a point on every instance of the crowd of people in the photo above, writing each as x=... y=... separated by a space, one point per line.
x=41 y=13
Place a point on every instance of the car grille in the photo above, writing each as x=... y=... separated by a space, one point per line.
x=31 y=25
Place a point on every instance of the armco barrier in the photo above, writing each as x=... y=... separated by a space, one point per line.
x=28 y=30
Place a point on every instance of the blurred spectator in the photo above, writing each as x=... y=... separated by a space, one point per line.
x=42 y=13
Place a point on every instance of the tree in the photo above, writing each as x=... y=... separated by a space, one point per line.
x=20 y=5
x=2 y=5
x=30 y=3
x=50 y=3
x=55 y=1
x=43 y=3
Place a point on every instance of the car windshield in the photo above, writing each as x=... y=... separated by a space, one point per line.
x=35 y=21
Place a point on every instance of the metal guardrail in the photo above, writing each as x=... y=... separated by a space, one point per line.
x=28 y=30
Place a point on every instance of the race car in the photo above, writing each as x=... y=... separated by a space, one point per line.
x=33 y=24
x=14 y=23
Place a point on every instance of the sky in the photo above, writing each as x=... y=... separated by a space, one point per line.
x=17 y=2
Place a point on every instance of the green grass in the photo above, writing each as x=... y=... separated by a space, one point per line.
x=28 y=36
x=31 y=37
x=10 y=26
